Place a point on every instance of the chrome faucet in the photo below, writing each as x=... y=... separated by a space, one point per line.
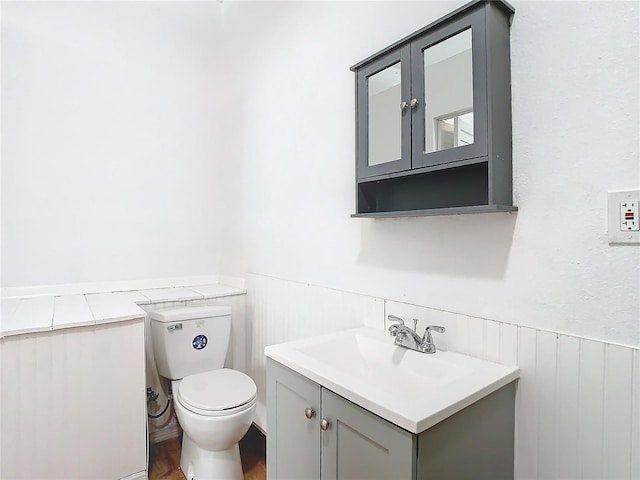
x=408 y=338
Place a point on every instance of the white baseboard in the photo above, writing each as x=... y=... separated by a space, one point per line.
x=136 y=476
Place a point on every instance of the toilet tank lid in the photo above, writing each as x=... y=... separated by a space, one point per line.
x=189 y=313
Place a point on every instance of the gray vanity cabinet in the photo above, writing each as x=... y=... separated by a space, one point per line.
x=433 y=119
x=293 y=440
x=476 y=443
x=355 y=445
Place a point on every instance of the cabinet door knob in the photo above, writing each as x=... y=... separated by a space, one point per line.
x=309 y=412
x=324 y=424
x=414 y=102
x=404 y=106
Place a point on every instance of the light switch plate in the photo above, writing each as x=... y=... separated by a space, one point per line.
x=623 y=217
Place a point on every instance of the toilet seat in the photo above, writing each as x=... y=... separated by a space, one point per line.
x=217 y=392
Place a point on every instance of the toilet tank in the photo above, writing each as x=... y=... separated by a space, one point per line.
x=190 y=340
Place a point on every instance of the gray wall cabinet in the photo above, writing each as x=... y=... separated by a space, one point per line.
x=433 y=118
x=475 y=443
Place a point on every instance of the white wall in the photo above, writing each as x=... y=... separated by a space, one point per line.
x=110 y=158
x=575 y=103
x=151 y=139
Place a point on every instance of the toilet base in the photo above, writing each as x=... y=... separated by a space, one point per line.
x=199 y=464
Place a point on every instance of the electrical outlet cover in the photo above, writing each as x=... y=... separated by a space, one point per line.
x=621 y=229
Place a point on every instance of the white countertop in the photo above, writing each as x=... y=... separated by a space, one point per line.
x=30 y=314
x=410 y=389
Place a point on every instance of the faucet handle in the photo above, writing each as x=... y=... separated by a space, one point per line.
x=426 y=338
x=436 y=328
x=393 y=318
x=427 y=345
x=393 y=329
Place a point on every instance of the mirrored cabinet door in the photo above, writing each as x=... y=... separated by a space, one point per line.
x=385 y=115
x=449 y=87
x=448 y=93
x=384 y=123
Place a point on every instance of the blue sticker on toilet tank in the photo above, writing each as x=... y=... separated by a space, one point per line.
x=199 y=342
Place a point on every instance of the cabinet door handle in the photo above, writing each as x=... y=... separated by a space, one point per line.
x=414 y=102
x=309 y=413
x=404 y=106
x=324 y=424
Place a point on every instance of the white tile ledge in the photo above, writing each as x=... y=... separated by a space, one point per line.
x=33 y=313
x=118 y=286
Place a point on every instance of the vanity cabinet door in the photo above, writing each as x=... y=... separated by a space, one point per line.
x=293 y=440
x=358 y=444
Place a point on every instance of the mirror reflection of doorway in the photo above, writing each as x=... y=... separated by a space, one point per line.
x=448 y=78
x=454 y=131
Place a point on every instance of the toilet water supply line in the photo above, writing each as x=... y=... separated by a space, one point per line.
x=152 y=397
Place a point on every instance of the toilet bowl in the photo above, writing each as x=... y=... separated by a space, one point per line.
x=215 y=406
x=215 y=409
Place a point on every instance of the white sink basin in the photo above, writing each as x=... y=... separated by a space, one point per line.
x=411 y=389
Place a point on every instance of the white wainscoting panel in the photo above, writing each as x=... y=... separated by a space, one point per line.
x=73 y=403
x=591 y=409
x=577 y=401
x=508 y=344
x=526 y=441
x=546 y=370
x=491 y=345
x=618 y=391
x=568 y=398
x=635 y=417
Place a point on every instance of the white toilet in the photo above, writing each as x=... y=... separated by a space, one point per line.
x=214 y=405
